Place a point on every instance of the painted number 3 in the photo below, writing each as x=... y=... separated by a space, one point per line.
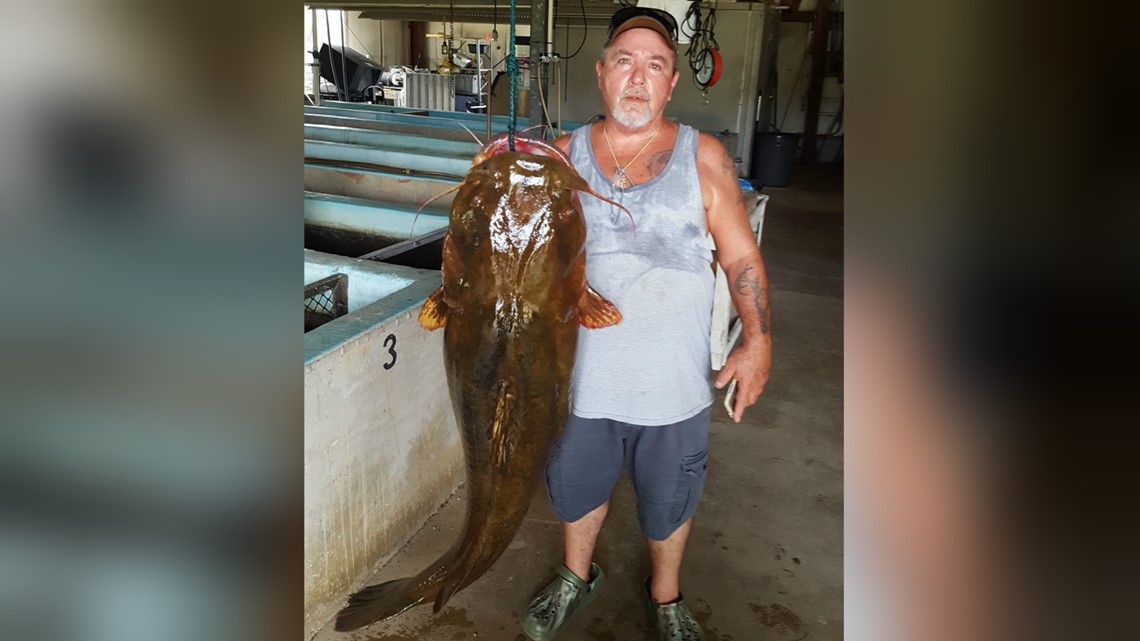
x=390 y=343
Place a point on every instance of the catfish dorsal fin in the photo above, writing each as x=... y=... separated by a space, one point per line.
x=433 y=314
x=595 y=312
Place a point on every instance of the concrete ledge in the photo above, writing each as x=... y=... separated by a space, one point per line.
x=382 y=451
x=409 y=287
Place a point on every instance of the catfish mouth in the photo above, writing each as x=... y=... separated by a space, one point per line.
x=523 y=145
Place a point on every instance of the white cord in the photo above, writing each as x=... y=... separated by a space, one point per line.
x=541 y=99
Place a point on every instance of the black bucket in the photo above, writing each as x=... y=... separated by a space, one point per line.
x=773 y=154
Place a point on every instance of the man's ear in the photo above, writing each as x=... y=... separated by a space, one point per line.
x=598 y=73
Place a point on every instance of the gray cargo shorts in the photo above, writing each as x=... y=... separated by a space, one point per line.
x=665 y=463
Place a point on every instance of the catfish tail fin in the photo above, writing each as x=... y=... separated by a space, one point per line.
x=378 y=602
x=437 y=583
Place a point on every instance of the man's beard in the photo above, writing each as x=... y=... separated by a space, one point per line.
x=634 y=120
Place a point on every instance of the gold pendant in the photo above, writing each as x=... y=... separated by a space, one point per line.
x=620 y=179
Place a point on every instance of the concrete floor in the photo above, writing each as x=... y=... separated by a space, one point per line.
x=764 y=559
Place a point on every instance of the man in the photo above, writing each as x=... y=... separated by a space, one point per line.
x=641 y=395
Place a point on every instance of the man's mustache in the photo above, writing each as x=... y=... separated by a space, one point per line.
x=634 y=92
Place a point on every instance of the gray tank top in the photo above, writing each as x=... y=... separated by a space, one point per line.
x=653 y=367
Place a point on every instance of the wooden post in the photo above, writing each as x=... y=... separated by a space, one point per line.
x=821 y=28
x=416 y=43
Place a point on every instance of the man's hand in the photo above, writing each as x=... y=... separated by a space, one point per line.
x=749 y=364
x=739 y=257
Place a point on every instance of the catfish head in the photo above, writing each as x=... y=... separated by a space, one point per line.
x=516 y=240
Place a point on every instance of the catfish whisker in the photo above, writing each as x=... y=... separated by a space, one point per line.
x=480 y=142
x=429 y=200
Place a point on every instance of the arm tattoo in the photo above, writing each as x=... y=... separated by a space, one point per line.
x=657 y=162
x=748 y=285
x=730 y=169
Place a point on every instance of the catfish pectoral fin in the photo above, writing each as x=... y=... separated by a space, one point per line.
x=377 y=602
x=595 y=312
x=433 y=314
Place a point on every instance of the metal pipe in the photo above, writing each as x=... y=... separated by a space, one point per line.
x=315 y=63
x=388 y=219
x=348 y=179
x=390 y=140
x=390 y=158
x=398 y=127
x=456 y=120
x=549 y=27
x=537 y=27
x=368 y=107
x=435 y=123
x=343 y=54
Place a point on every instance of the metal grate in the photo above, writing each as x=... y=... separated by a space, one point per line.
x=325 y=300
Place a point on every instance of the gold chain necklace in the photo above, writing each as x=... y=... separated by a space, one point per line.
x=621 y=179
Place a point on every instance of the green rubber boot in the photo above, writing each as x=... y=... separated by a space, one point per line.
x=554 y=604
x=672 y=621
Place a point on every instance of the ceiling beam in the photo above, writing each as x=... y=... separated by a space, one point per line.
x=598 y=12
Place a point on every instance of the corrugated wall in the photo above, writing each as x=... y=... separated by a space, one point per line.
x=427 y=91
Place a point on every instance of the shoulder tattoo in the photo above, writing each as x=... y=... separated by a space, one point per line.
x=657 y=162
x=729 y=166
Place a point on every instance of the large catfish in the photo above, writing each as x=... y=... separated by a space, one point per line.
x=514 y=292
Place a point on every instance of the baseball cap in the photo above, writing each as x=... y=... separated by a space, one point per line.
x=628 y=18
